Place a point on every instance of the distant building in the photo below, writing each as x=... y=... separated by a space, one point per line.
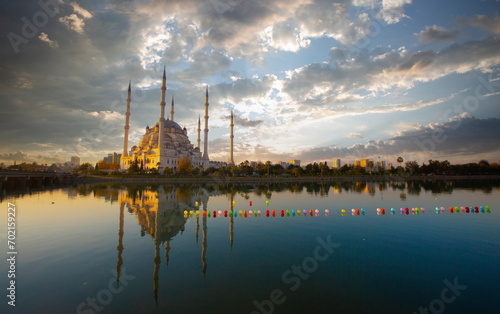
x=357 y=163
x=380 y=163
x=75 y=161
x=112 y=158
x=217 y=164
x=364 y=163
x=253 y=164
x=336 y=163
x=283 y=164
x=294 y=162
x=389 y=165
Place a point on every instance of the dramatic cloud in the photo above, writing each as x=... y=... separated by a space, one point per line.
x=456 y=139
x=436 y=33
x=298 y=74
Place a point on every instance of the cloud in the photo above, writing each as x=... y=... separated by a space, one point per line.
x=245 y=122
x=45 y=38
x=458 y=139
x=436 y=33
x=75 y=21
x=490 y=24
x=17 y=156
x=284 y=36
x=355 y=135
x=81 y=11
x=392 y=10
x=322 y=84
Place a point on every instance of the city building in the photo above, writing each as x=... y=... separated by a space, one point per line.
x=357 y=163
x=295 y=162
x=336 y=163
x=75 y=161
x=364 y=163
x=283 y=164
x=380 y=163
x=112 y=158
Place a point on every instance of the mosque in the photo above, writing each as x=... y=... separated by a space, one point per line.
x=174 y=142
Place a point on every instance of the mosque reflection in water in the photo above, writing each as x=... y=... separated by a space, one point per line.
x=159 y=209
x=160 y=213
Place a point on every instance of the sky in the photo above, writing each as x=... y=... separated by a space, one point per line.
x=307 y=79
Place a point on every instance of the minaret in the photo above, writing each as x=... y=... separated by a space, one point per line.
x=205 y=143
x=127 y=126
x=199 y=130
x=231 y=161
x=172 y=109
x=162 y=114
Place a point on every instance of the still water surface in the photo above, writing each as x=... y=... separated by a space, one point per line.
x=75 y=243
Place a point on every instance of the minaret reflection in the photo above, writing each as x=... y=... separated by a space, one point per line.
x=119 y=248
x=160 y=213
x=197 y=227
x=167 y=250
x=231 y=222
x=204 y=242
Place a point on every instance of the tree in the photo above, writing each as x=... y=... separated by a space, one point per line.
x=483 y=162
x=184 y=167
x=267 y=167
x=297 y=171
x=370 y=165
x=101 y=164
x=400 y=160
x=412 y=167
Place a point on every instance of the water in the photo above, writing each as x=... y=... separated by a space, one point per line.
x=72 y=241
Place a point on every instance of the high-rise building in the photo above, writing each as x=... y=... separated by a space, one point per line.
x=75 y=161
x=336 y=163
x=364 y=162
x=295 y=162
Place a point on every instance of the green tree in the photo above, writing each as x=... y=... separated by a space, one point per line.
x=400 y=160
x=370 y=165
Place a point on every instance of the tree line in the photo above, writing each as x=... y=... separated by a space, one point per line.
x=321 y=169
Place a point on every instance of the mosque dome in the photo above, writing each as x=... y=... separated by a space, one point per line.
x=172 y=124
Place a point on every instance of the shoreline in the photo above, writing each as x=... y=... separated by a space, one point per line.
x=227 y=180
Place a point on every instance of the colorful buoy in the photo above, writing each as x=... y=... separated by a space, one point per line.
x=267 y=203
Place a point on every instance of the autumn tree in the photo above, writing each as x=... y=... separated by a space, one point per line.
x=184 y=166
